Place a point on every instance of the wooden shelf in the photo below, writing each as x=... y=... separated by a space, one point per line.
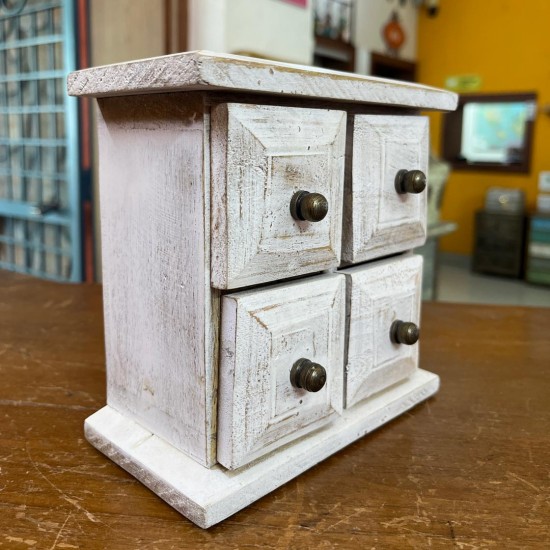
x=388 y=66
x=334 y=53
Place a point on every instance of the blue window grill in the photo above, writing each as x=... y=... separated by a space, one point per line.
x=40 y=226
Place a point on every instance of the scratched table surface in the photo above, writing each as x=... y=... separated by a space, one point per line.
x=466 y=469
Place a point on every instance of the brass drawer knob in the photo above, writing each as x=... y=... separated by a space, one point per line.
x=410 y=181
x=308 y=375
x=402 y=332
x=306 y=206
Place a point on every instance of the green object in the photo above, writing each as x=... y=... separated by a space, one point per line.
x=540 y=236
x=463 y=83
x=539 y=277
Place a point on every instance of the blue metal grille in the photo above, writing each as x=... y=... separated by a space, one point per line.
x=40 y=231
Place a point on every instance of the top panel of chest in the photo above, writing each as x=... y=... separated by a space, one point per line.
x=200 y=70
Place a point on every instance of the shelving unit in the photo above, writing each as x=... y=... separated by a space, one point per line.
x=40 y=176
x=538 y=249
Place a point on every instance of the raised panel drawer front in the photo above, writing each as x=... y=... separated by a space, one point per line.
x=383 y=294
x=262 y=156
x=380 y=220
x=265 y=334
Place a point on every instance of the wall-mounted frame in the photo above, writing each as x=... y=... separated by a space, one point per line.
x=490 y=132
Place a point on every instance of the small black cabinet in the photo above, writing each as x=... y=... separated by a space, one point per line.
x=499 y=243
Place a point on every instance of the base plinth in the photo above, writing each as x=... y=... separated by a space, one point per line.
x=208 y=495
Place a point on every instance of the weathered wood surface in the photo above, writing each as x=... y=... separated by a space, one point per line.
x=156 y=254
x=381 y=293
x=378 y=221
x=202 y=70
x=264 y=332
x=261 y=156
x=467 y=469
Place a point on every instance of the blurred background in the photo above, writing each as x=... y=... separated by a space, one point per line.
x=489 y=178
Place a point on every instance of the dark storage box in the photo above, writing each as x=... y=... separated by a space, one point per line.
x=499 y=243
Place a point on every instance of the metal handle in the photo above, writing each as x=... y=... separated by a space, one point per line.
x=403 y=332
x=306 y=206
x=308 y=375
x=410 y=181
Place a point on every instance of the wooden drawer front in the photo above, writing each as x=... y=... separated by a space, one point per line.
x=381 y=293
x=264 y=333
x=378 y=220
x=261 y=156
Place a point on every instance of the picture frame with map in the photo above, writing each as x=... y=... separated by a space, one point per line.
x=491 y=132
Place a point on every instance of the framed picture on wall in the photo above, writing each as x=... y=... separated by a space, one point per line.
x=490 y=131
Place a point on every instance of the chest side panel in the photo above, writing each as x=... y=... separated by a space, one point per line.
x=155 y=267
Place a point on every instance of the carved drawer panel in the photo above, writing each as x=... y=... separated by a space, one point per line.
x=265 y=334
x=262 y=156
x=380 y=217
x=385 y=298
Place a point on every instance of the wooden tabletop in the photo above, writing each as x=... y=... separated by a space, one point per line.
x=466 y=469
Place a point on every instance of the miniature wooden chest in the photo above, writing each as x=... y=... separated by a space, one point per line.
x=261 y=305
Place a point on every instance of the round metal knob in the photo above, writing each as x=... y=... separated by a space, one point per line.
x=308 y=375
x=306 y=206
x=410 y=181
x=402 y=332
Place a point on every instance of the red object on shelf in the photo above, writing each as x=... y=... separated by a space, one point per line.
x=393 y=33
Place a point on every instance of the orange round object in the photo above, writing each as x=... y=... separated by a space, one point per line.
x=393 y=33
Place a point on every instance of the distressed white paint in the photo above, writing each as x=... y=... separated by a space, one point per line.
x=210 y=71
x=163 y=156
x=264 y=332
x=380 y=293
x=207 y=496
x=378 y=220
x=159 y=327
x=261 y=156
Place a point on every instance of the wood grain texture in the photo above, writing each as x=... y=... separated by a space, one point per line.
x=469 y=468
x=261 y=156
x=378 y=221
x=264 y=332
x=380 y=293
x=158 y=312
x=202 y=70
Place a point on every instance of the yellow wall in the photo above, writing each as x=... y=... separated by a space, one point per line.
x=507 y=43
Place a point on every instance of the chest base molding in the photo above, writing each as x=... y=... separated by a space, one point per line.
x=209 y=495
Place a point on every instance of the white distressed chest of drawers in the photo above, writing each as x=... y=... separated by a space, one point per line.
x=261 y=303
